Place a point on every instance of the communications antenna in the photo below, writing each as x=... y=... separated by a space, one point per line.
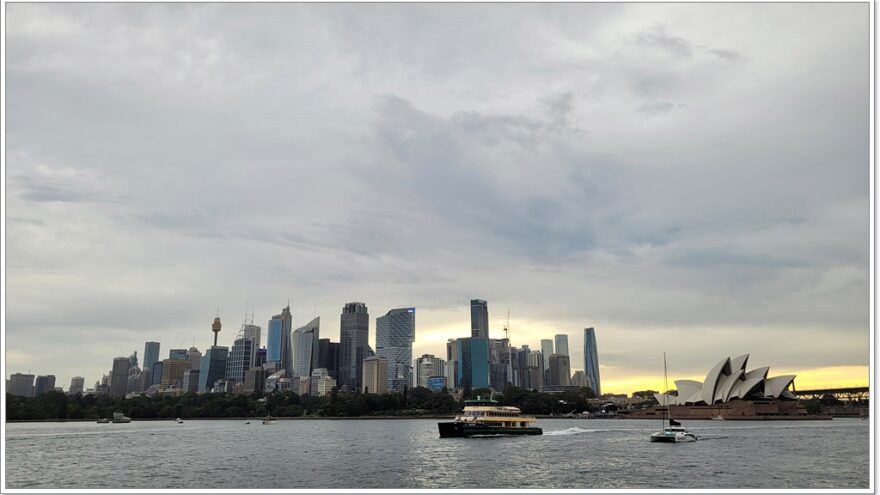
x=507 y=326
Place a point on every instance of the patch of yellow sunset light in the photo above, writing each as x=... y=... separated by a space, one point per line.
x=807 y=379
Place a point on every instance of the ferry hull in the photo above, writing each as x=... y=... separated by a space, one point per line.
x=453 y=430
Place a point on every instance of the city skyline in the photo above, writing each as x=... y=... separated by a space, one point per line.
x=617 y=386
x=657 y=172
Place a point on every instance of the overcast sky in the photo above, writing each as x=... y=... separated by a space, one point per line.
x=684 y=178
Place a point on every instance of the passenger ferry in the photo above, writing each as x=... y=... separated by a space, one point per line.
x=484 y=417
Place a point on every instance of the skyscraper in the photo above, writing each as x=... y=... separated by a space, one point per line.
x=252 y=331
x=479 y=319
x=76 y=385
x=546 y=351
x=354 y=334
x=328 y=357
x=21 y=384
x=119 y=376
x=519 y=363
x=560 y=370
x=427 y=366
x=305 y=347
x=191 y=380
x=156 y=373
x=43 y=384
x=177 y=354
x=561 y=344
x=473 y=362
x=135 y=380
x=395 y=334
x=452 y=363
x=375 y=375
x=591 y=361
x=213 y=367
x=321 y=383
x=151 y=357
x=260 y=357
x=195 y=358
x=278 y=344
x=240 y=358
x=579 y=379
x=172 y=372
x=499 y=363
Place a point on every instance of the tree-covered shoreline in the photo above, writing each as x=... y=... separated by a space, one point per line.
x=418 y=402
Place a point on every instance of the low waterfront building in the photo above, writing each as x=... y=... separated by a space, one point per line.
x=436 y=383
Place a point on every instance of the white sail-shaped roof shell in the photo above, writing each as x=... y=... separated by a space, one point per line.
x=758 y=373
x=710 y=384
x=745 y=387
x=773 y=387
x=728 y=385
x=729 y=380
x=688 y=391
x=739 y=363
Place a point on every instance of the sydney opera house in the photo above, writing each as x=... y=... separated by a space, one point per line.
x=731 y=392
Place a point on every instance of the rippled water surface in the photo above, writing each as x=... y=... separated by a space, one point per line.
x=409 y=454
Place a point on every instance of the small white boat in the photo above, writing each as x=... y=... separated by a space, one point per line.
x=718 y=418
x=179 y=421
x=269 y=420
x=673 y=434
x=118 y=417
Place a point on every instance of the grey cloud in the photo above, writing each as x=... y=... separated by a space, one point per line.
x=656 y=36
x=36 y=222
x=659 y=108
x=246 y=154
x=44 y=189
x=728 y=55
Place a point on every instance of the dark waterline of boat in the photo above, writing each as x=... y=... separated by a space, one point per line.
x=409 y=454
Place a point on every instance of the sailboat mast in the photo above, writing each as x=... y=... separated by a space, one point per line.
x=665 y=390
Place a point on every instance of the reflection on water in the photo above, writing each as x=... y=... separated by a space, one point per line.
x=409 y=454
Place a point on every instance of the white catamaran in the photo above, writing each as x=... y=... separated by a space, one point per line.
x=674 y=432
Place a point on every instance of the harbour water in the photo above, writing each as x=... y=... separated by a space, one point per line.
x=409 y=454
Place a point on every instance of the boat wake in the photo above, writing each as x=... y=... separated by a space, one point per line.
x=570 y=431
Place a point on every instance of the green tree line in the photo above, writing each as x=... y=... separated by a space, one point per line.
x=418 y=401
